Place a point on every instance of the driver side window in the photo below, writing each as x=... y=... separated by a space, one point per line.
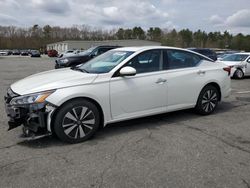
x=148 y=61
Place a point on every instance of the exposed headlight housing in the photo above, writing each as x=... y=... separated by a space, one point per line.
x=64 y=61
x=32 y=98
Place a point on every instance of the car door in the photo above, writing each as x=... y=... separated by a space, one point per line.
x=184 y=78
x=141 y=94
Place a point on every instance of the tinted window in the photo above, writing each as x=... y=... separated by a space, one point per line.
x=102 y=50
x=148 y=61
x=176 y=59
x=204 y=52
x=235 y=57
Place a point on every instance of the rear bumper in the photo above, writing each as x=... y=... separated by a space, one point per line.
x=226 y=88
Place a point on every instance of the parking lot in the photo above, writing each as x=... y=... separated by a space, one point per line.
x=180 y=149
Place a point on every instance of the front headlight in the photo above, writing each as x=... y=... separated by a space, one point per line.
x=64 y=61
x=32 y=98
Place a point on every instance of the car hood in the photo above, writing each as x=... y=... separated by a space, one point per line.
x=50 y=80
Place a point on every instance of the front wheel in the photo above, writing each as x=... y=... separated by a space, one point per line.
x=77 y=121
x=207 y=100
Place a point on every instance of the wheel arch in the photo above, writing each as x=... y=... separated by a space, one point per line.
x=216 y=85
x=78 y=98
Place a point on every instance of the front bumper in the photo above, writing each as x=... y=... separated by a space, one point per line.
x=59 y=64
x=35 y=118
x=32 y=116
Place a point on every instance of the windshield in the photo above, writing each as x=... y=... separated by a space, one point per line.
x=105 y=62
x=235 y=57
x=87 y=52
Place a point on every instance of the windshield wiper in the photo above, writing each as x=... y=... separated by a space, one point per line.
x=79 y=69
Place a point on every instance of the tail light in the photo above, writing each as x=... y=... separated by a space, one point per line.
x=228 y=69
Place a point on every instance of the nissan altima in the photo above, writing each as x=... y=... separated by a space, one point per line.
x=239 y=63
x=121 y=84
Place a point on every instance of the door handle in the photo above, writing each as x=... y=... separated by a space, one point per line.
x=160 y=81
x=200 y=72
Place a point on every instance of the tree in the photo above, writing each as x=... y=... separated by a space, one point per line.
x=138 y=33
x=35 y=37
x=154 y=34
x=128 y=34
x=47 y=31
x=187 y=37
x=120 y=34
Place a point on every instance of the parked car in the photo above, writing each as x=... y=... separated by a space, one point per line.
x=9 y=52
x=222 y=54
x=24 y=53
x=205 y=51
x=16 y=52
x=69 y=53
x=240 y=64
x=4 y=52
x=121 y=84
x=35 y=53
x=52 y=53
x=82 y=57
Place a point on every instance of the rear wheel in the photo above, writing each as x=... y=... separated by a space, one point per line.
x=239 y=74
x=208 y=100
x=77 y=121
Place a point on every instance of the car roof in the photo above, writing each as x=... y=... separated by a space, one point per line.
x=106 y=46
x=243 y=53
x=140 y=48
x=143 y=48
x=198 y=48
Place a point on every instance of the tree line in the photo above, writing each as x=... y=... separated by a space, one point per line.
x=36 y=37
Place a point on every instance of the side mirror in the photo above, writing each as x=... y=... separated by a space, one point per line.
x=127 y=71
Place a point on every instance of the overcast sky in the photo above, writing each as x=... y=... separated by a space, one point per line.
x=208 y=15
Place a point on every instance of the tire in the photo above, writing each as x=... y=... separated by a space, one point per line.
x=76 y=121
x=207 y=100
x=238 y=74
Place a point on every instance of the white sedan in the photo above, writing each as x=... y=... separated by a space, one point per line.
x=239 y=63
x=121 y=84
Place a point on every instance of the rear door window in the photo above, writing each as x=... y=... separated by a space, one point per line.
x=177 y=59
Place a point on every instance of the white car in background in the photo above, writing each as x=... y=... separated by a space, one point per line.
x=121 y=84
x=69 y=53
x=239 y=63
x=4 y=53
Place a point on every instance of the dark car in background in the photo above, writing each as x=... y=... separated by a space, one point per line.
x=206 y=52
x=24 y=53
x=35 y=53
x=82 y=57
x=52 y=53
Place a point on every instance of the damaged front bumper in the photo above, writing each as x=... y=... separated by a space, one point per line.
x=36 y=118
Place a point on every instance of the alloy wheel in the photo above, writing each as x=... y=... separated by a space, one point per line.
x=78 y=122
x=209 y=101
x=239 y=73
